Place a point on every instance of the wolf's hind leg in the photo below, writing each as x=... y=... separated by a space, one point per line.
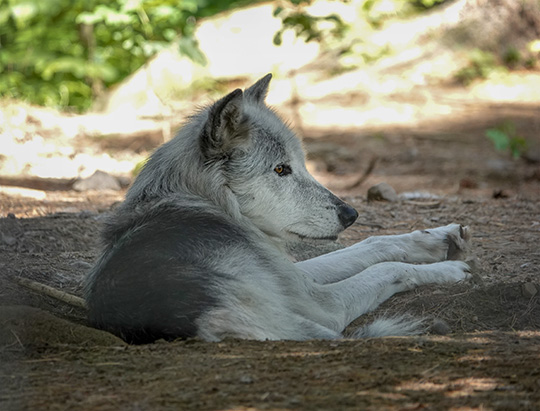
x=254 y=324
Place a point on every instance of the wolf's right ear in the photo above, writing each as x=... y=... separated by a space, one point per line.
x=226 y=126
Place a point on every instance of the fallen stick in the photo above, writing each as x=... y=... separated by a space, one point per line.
x=51 y=292
x=365 y=175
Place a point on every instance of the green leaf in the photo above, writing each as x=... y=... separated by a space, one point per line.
x=188 y=46
x=277 y=11
x=518 y=145
x=500 y=140
x=277 y=40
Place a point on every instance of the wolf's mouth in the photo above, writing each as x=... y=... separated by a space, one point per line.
x=305 y=237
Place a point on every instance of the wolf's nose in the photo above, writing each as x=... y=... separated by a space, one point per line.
x=347 y=215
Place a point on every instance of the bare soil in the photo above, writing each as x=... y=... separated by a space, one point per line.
x=486 y=357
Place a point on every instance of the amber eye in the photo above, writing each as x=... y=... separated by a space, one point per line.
x=282 y=170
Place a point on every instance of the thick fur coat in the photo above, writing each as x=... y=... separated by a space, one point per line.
x=196 y=249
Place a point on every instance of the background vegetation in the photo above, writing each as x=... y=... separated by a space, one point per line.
x=63 y=53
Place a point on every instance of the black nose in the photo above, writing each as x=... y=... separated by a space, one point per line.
x=347 y=215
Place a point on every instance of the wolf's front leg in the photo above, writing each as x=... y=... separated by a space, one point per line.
x=362 y=293
x=427 y=246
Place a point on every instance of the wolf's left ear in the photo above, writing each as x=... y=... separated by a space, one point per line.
x=257 y=92
x=226 y=127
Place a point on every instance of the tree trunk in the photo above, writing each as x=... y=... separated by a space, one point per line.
x=88 y=40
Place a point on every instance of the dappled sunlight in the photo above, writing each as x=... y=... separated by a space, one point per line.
x=422 y=386
x=405 y=32
x=43 y=143
x=464 y=387
x=348 y=10
x=456 y=388
x=474 y=357
x=44 y=158
x=23 y=192
x=343 y=118
x=399 y=74
x=520 y=87
x=240 y=44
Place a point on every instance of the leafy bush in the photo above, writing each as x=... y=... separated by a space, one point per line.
x=306 y=26
x=346 y=41
x=481 y=65
x=376 y=11
x=63 y=52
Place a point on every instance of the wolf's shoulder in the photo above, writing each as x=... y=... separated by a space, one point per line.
x=171 y=219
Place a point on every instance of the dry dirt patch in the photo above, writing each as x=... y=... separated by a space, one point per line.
x=475 y=371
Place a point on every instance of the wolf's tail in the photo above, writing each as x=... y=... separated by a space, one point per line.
x=393 y=326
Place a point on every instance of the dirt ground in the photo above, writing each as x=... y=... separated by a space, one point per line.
x=482 y=352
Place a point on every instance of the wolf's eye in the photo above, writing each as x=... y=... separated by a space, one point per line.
x=282 y=170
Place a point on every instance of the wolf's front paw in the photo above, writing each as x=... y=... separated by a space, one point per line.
x=454 y=271
x=450 y=242
x=458 y=242
x=442 y=272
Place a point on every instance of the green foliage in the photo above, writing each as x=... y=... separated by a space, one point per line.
x=512 y=57
x=426 y=4
x=526 y=58
x=28 y=68
x=481 y=65
x=504 y=138
x=377 y=11
x=306 y=26
x=63 y=52
x=344 y=41
x=484 y=64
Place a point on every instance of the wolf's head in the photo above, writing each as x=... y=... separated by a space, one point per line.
x=240 y=155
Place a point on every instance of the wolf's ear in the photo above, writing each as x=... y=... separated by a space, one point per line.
x=257 y=92
x=226 y=126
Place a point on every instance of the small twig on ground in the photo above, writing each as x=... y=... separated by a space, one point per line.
x=366 y=224
x=365 y=175
x=51 y=292
x=17 y=338
x=425 y=204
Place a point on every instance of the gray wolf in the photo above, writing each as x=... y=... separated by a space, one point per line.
x=197 y=247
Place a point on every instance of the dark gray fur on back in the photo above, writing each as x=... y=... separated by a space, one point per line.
x=148 y=284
